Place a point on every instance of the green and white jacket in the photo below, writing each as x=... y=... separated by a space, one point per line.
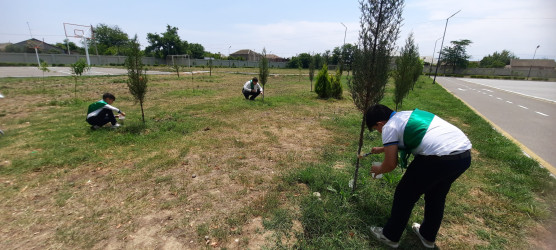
x=96 y=107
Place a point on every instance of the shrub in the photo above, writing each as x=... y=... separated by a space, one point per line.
x=336 y=90
x=322 y=84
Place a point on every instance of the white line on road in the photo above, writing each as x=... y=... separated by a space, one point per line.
x=461 y=89
x=488 y=90
x=490 y=95
x=541 y=113
x=523 y=107
x=509 y=102
x=498 y=98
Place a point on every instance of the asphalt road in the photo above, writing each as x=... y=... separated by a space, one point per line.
x=525 y=110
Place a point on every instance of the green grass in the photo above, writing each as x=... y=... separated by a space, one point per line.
x=251 y=160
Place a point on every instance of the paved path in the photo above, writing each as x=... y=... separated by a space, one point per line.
x=66 y=71
x=528 y=114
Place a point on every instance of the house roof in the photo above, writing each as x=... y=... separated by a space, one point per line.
x=31 y=43
x=244 y=52
x=544 y=63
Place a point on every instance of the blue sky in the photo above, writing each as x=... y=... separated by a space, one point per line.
x=286 y=27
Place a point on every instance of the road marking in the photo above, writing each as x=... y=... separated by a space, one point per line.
x=541 y=113
x=461 y=89
x=498 y=98
x=523 y=107
x=509 y=102
x=490 y=95
x=488 y=90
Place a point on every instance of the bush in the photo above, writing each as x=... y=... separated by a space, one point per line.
x=336 y=90
x=322 y=85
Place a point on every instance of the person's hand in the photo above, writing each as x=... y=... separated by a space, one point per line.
x=376 y=170
x=377 y=150
x=253 y=90
x=123 y=113
x=262 y=93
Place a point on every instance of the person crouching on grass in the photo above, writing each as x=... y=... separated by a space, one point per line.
x=442 y=153
x=252 y=88
x=101 y=112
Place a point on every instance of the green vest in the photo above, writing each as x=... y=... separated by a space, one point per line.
x=96 y=105
x=415 y=129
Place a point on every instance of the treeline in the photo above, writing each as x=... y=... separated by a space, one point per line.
x=111 y=40
x=333 y=57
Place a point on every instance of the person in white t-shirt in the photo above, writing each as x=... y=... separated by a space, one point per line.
x=252 y=89
x=442 y=153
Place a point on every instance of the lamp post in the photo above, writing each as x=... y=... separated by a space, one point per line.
x=531 y=66
x=442 y=44
x=433 y=51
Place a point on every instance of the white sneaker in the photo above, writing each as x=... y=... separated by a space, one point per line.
x=425 y=242
x=117 y=125
x=377 y=233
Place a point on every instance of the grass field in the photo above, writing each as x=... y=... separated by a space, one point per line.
x=212 y=170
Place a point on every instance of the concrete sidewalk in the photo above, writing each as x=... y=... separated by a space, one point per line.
x=65 y=71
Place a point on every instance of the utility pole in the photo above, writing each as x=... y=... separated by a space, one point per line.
x=528 y=74
x=442 y=44
x=432 y=59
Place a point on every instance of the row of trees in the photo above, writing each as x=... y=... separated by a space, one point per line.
x=456 y=56
x=341 y=55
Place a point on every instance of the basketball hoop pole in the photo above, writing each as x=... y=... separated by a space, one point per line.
x=87 y=51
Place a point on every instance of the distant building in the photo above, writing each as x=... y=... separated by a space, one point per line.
x=533 y=64
x=30 y=44
x=275 y=58
x=247 y=55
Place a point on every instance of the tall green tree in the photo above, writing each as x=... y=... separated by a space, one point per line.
x=196 y=50
x=456 y=55
x=136 y=73
x=264 y=72
x=167 y=43
x=498 y=60
x=408 y=69
x=380 y=27
x=109 y=40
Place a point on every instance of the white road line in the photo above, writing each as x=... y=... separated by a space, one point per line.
x=488 y=90
x=498 y=98
x=523 y=107
x=509 y=102
x=541 y=113
x=490 y=95
x=461 y=89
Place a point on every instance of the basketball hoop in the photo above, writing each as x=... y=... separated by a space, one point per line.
x=83 y=32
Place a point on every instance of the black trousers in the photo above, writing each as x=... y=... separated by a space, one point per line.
x=429 y=175
x=103 y=117
x=252 y=94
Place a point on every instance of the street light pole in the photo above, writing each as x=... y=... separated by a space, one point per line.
x=528 y=74
x=433 y=51
x=345 y=32
x=442 y=44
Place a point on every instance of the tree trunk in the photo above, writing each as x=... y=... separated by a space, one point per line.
x=142 y=112
x=311 y=85
x=358 y=153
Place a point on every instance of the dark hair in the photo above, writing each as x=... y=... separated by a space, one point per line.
x=255 y=79
x=377 y=113
x=108 y=96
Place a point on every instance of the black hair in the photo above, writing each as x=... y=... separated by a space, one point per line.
x=255 y=79
x=377 y=113
x=108 y=96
